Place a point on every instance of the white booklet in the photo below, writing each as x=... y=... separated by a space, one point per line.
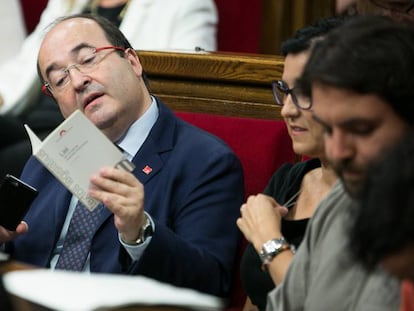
x=74 y=151
x=78 y=291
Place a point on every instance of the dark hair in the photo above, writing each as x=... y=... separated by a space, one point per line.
x=303 y=38
x=383 y=221
x=367 y=55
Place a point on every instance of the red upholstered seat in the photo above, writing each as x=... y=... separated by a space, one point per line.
x=262 y=146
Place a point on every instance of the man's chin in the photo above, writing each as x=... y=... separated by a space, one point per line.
x=353 y=187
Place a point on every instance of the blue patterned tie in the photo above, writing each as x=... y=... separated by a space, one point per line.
x=78 y=239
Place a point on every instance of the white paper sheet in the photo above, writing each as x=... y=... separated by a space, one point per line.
x=73 y=291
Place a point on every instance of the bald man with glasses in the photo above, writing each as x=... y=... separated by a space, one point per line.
x=172 y=218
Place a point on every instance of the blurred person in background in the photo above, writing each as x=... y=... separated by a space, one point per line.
x=402 y=11
x=365 y=109
x=12 y=29
x=382 y=232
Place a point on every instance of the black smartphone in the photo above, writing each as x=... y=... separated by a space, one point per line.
x=16 y=197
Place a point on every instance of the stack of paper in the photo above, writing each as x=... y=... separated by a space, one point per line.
x=73 y=291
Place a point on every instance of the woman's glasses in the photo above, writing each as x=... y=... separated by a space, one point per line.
x=281 y=91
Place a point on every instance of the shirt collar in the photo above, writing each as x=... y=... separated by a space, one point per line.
x=139 y=131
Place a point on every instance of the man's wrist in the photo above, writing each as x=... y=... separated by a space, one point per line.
x=145 y=231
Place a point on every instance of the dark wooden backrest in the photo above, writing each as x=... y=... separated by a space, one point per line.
x=217 y=83
x=282 y=18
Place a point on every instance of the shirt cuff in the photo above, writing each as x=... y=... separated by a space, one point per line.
x=135 y=251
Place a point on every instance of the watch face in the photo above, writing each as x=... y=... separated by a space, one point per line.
x=272 y=246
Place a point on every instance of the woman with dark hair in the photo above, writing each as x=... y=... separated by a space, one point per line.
x=297 y=187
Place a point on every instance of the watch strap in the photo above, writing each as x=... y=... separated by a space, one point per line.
x=271 y=249
x=145 y=231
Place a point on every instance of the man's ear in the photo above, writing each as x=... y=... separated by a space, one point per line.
x=132 y=57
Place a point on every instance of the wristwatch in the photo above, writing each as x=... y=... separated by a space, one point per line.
x=271 y=249
x=145 y=232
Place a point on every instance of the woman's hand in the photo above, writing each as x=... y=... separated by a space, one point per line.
x=260 y=219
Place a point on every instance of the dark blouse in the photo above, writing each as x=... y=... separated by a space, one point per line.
x=284 y=184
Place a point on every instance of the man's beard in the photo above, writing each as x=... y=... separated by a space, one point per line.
x=353 y=186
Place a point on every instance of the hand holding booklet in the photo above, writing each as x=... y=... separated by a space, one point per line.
x=74 y=151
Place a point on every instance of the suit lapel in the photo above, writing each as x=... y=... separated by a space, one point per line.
x=149 y=160
x=151 y=157
x=148 y=163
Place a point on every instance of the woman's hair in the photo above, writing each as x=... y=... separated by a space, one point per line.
x=304 y=37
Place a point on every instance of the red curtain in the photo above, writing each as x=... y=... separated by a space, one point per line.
x=239 y=25
x=32 y=9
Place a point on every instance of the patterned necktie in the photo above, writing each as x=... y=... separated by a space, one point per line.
x=78 y=239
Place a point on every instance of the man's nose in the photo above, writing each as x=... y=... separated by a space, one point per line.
x=339 y=146
x=78 y=79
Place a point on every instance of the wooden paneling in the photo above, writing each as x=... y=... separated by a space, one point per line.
x=220 y=83
x=282 y=18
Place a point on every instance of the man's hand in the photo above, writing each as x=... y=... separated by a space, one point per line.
x=7 y=235
x=260 y=219
x=122 y=193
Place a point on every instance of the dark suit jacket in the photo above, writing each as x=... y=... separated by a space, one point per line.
x=193 y=194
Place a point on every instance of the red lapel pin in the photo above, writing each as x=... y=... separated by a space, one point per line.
x=147 y=170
